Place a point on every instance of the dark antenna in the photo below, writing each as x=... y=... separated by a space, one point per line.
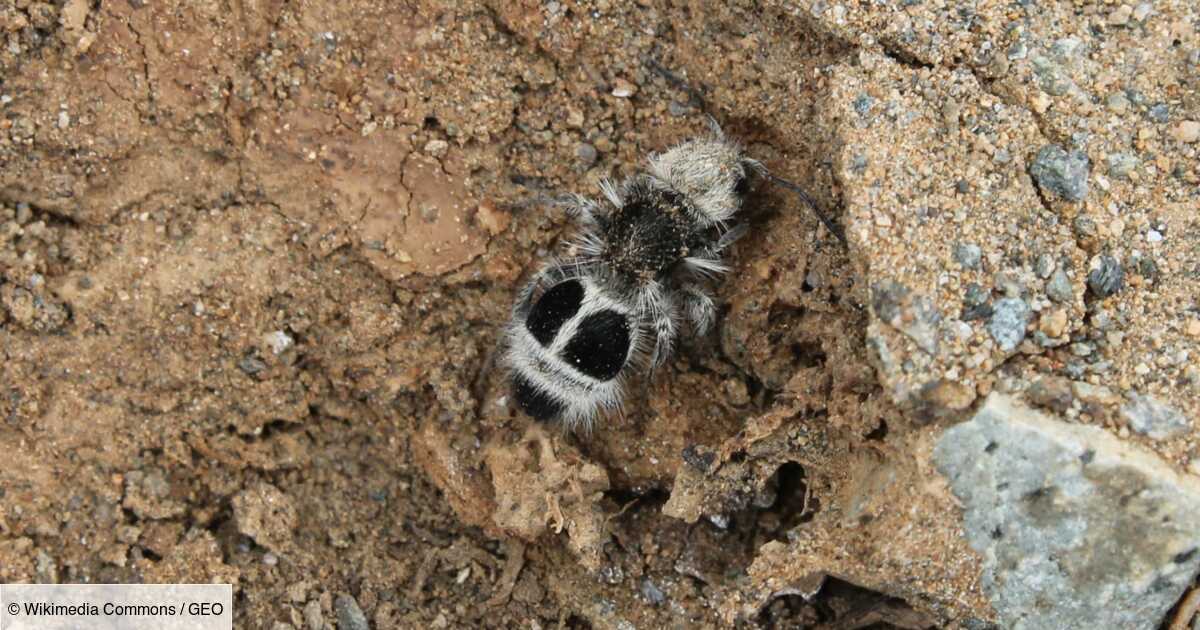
x=829 y=225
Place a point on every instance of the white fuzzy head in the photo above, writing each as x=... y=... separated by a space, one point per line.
x=712 y=173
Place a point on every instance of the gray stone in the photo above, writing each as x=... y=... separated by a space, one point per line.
x=1052 y=78
x=1153 y=418
x=1059 y=287
x=1159 y=113
x=349 y=615
x=586 y=153
x=914 y=315
x=1120 y=165
x=1010 y=317
x=652 y=593
x=1064 y=174
x=863 y=104
x=968 y=255
x=1077 y=530
x=1044 y=266
x=1106 y=277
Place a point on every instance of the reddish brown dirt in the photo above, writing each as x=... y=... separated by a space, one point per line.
x=254 y=256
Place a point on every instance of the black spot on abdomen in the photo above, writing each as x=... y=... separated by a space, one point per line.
x=600 y=345
x=535 y=402
x=553 y=310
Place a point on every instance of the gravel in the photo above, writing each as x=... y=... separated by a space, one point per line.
x=1153 y=418
x=1060 y=172
x=1059 y=287
x=1106 y=277
x=968 y=255
x=349 y=615
x=1010 y=316
x=586 y=154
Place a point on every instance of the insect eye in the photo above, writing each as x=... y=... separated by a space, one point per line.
x=741 y=184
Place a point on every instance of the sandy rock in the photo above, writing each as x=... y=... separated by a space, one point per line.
x=543 y=487
x=942 y=311
x=266 y=515
x=1154 y=419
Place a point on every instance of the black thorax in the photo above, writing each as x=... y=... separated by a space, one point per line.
x=650 y=233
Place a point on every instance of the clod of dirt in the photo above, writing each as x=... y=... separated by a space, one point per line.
x=543 y=487
x=267 y=515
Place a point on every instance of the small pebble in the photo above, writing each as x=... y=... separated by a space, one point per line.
x=437 y=148
x=1120 y=165
x=1187 y=131
x=586 y=153
x=1120 y=17
x=1159 y=113
x=1117 y=103
x=1044 y=266
x=968 y=255
x=1060 y=172
x=349 y=615
x=975 y=295
x=1154 y=236
x=863 y=104
x=1007 y=325
x=1153 y=418
x=251 y=365
x=623 y=89
x=1106 y=277
x=1059 y=287
x=64 y=120
x=1053 y=323
x=278 y=341
x=652 y=593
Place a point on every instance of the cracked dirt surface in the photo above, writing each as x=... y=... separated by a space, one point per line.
x=255 y=255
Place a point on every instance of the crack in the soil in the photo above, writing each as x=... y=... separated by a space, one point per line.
x=137 y=37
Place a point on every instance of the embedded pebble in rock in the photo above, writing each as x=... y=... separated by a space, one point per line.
x=1077 y=530
x=1065 y=174
x=968 y=255
x=1153 y=418
x=1054 y=322
x=930 y=226
x=278 y=341
x=623 y=89
x=1007 y=325
x=437 y=148
x=652 y=593
x=1044 y=266
x=1187 y=131
x=1159 y=113
x=1058 y=288
x=349 y=615
x=1120 y=165
x=586 y=154
x=1106 y=276
x=914 y=315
